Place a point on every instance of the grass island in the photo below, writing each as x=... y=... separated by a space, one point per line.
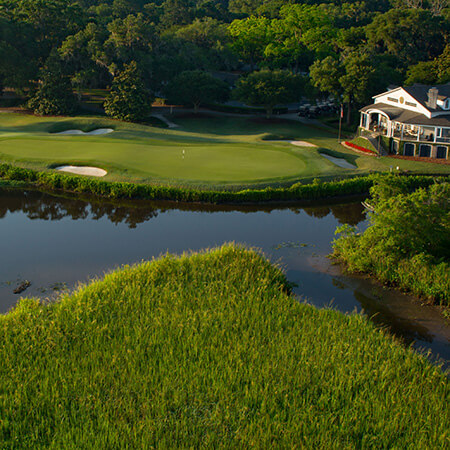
x=209 y=350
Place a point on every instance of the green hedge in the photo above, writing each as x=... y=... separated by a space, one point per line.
x=314 y=191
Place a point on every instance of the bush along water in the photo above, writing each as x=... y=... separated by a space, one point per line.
x=408 y=241
x=123 y=190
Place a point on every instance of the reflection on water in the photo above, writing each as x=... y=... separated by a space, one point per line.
x=44 y=206
x=55 y=242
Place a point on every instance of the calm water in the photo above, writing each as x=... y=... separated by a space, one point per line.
x=57 y=242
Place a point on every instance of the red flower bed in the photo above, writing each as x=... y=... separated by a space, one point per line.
x=359 y=148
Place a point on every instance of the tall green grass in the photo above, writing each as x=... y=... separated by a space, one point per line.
x=124 y=190
x=211 y=351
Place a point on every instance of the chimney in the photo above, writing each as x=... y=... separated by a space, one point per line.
x=432 y=98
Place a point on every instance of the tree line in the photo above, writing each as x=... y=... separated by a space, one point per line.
x=51 y=49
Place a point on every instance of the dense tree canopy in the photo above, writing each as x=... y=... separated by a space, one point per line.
x=351 y=48
x=196 y=88
x=269 y=88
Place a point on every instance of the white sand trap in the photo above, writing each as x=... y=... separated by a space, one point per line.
x=83 y=170
x=97 y=132
x=303 y=144
x=341 y=162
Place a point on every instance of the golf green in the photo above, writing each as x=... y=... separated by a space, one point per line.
x=203 y=150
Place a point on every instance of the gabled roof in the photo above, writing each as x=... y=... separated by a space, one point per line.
x=420 y=93
x=389 y=91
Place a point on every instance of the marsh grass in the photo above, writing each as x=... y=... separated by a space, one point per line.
x=209 y=350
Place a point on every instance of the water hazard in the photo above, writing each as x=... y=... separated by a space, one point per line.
x=56 y=242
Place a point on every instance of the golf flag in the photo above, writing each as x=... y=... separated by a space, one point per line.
x=342 y=111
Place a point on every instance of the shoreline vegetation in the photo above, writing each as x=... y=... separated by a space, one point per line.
x=209 y=349
x=407 y=243
x=17 y=176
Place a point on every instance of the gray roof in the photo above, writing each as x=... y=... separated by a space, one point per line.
x=410 y=117
x=420 y=93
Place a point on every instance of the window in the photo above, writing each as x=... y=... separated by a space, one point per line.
x=395 y=147
x=425 y=151
x=441 y=152
x=392 y=99
x=411 y=104
x=408 y=149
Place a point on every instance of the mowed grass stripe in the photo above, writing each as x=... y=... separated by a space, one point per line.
x=209 y=350
x=219 y=151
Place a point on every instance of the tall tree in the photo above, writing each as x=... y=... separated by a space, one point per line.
x=325 y=75
x=269 y=88
x=411 y=34
x=176 y=12
x=250 y=38
x=357 y=81
x=196 y=87
x=129 y=99
x=354 y=79
x=422 y=72
x=54 y=95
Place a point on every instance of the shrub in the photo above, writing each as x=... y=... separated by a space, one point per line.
x=407 y=243
x=296 y=192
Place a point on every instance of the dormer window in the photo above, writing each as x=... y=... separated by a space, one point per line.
x=447 y=104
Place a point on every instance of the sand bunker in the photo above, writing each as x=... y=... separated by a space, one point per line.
x=97 y=132
x=83 y=170
x=303 y=144
x=341 y=162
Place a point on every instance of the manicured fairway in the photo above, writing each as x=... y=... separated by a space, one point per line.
x=203 y=150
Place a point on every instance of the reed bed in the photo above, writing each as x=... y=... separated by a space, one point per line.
x=209 y=350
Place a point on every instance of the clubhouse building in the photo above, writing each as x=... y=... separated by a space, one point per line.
x=413 y=120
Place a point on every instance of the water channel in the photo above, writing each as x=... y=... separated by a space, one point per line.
x=56 y=242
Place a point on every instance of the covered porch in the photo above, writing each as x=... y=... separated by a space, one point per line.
x=420 y=133
x=376 y=121
x=379 y=121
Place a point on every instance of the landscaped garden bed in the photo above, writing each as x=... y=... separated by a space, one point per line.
x=358 y=148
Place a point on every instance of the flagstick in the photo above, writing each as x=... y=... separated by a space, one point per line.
x=340 y=123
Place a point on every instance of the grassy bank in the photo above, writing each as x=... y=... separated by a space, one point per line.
x=209 y=350
x=206 y=151
x=122 y=190
x=408 y=241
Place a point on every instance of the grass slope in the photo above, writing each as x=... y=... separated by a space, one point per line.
x=218 y=151
x=209 y=350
